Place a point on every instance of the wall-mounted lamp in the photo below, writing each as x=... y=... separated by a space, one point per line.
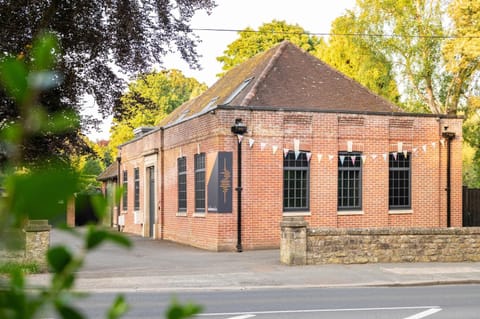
x=239 y=128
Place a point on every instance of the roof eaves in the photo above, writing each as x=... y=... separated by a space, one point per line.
x=156 y=129
x=299 y=109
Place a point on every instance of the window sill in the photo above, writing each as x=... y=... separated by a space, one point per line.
x=181 y=214
x=297 y=214
x=349 y=212
x=400 y=211
x=199 y=214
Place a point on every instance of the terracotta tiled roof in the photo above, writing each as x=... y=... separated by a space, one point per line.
x=111 y=172
x=286 y=77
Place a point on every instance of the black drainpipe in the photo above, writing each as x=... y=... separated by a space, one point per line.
x=239 y=129
x=449 y=136
x=119 y=161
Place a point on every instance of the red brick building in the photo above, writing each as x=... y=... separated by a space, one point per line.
x=317 y=144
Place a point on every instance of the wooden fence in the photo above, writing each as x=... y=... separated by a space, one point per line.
x=471 y=207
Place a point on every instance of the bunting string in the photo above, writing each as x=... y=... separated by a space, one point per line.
x=402 y=148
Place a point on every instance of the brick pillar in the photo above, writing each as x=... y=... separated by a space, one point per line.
x=293 y=242
x=37 y=242
x=71 y=212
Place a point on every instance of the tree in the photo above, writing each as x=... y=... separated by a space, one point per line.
x=252 y=42
x=462 y=54
x=411 y=35
x=148 y=100
x=96 y=37
x=354 y=57
x=90 y=166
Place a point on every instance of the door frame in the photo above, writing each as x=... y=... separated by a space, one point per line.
x=150 y=163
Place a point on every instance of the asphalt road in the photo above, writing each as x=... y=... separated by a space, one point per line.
x=432 y=302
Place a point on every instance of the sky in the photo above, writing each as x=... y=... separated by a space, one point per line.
x=314 y=16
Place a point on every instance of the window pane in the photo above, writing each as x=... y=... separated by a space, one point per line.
x=199 y=182
x=182 y=184
x=136 y=200
x=399 y=181
x=295 y=181
x=349 y=180
x=125 y=191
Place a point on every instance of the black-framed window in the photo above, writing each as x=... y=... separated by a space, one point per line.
x=399 y=180
x=136 y=199
x=349 y=181
x=182 y=184
x=125 y=191
x=296 y=174
x=199 y=182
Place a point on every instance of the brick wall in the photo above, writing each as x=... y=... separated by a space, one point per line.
x=262 y=173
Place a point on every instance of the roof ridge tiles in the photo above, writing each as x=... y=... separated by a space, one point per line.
x=251 y=94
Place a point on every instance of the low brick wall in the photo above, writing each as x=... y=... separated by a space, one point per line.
x=386 y=245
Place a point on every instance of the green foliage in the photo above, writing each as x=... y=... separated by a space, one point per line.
x=34 y=192
x=149 y=99
x=471 y=167
x=251 y=43
x=118 y=308
x=178 y=311
x=24 y=267
x=434 y=71
x=353 y=56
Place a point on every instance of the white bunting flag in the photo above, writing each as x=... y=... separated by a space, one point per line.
x=349 y=146
x=274 y=149
x=395 y=155
x=285 y=152
x=364 y=158
x=319 y=157
x=414 y=150
x=309 y=156
x=240 y=138
x=198 y=148
x=297 y=154
x=374 y=156
x=442 y=141
x=353 y=158
x=341 y=157
x=251 y=141
x=330 y=157
x=405 y=153
x=262 y=146
x=385 y=156
x=400 y=147
x=434 y=144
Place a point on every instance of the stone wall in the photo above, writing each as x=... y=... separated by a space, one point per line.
x=29 y=245
x=379 y=245
x=37 y=242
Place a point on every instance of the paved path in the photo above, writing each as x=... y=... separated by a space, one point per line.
x=154 y=265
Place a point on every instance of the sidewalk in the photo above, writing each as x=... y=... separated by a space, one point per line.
x=154 y=265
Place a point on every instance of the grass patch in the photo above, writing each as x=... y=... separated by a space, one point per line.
x=25 y=267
